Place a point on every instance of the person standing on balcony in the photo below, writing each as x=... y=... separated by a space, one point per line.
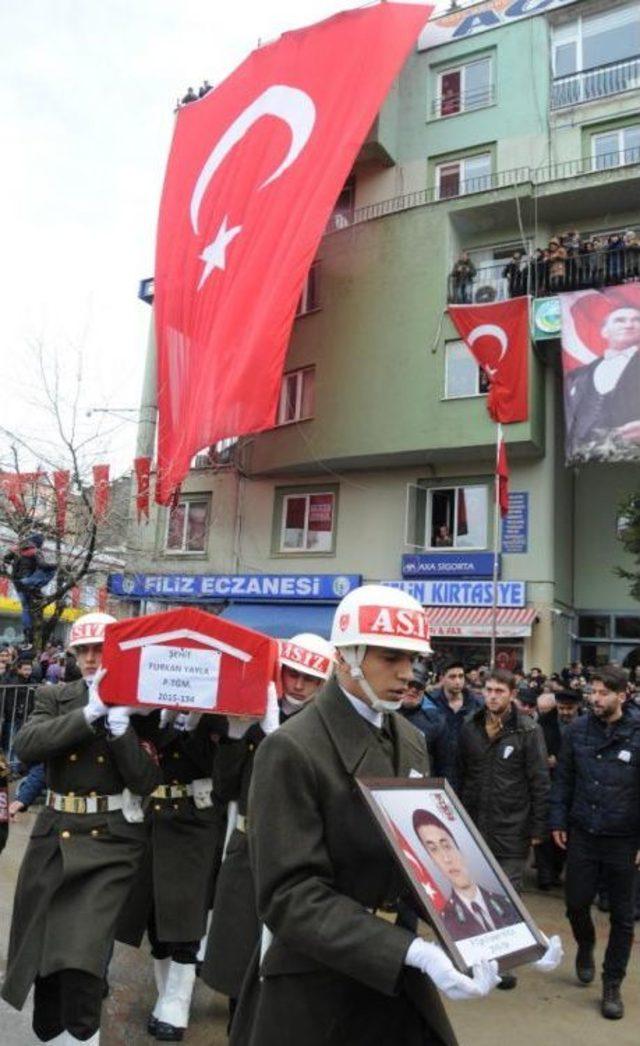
x=557 y=266
x=515 y=273
x=462 y=276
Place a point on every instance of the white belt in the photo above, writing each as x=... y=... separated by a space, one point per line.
x=83 y=804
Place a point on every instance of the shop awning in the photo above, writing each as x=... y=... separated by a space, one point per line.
x=476 y=622
x=282 y=620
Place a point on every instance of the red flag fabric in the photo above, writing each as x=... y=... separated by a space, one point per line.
x=100 y=491
x=142 y=468
x=12 y=490
x=255 y=168
x=498 y=336
x=428 y=884
x=502 y=478
x=61 y=491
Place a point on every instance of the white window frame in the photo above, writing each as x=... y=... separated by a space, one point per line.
x=428 y=515
x=619 y=133
x=187 y=500
x=297 y=376
x=462 y=164
x=577 y=37
x=463 y=89
x=307 y=495
x=310 y=302
x=462 y=395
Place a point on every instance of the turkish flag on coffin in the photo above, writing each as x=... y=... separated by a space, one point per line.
x=498 y=336
x=188 y=660
x=255 y=168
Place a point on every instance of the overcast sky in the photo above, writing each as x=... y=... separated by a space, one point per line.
x=88 y=89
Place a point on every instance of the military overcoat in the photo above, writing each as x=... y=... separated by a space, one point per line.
x=78 y=868
x=335 y=972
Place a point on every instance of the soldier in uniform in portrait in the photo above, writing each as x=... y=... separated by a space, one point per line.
x=306 y=662
x=471 y=909
x=174 y=890
x=85 y=850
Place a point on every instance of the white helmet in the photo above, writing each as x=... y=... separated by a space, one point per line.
x=308 y=653
x=89 y=628
x=378 y=615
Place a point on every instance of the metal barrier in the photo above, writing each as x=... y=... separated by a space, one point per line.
x=16 y=705
x=605 y=80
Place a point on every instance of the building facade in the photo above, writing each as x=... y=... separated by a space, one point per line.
x=503 y=131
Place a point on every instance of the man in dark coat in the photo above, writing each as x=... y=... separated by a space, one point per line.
x=185 y=845
x=421 y=712
x=456 y=702
x=85 y=849
x=595 y=815
x=602 y=399
x=306 y=662
x=549 y=857
x=334 y=973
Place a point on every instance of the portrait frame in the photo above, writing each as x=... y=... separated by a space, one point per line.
x=516 y=940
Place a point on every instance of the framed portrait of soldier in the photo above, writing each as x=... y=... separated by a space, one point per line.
x=456 y=881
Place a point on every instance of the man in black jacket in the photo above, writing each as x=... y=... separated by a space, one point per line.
x=550 y=858
x=429 y=720
x=456 y=703
x=595 y=815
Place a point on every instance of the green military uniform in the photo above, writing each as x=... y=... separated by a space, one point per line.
x=78 y=868
x=334 y=974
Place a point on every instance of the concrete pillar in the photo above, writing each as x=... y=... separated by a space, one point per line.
x=146 y=438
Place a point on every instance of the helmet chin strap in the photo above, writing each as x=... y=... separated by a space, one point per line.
x=294 y=702
x=354 y=656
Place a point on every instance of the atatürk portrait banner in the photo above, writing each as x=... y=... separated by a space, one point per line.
x=601 y=368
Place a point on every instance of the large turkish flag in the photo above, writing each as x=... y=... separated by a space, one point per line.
x=498 y=336
x=254 y=171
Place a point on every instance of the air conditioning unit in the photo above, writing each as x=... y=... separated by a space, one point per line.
x=485 y=293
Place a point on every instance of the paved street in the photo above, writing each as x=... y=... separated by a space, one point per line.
x=543 y=1010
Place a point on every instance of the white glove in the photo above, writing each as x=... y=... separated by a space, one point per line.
x=95 y=707
x=431 y=960
x=552 y=957
x=118 y=720
x=187 y=721
x=238 y=726
x=271 y=718
x=167 y=717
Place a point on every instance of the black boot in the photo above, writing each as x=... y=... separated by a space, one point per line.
x=612 y=1006
x=507 y=982
x=585 y=966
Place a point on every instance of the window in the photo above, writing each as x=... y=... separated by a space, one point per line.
x=473 y=174
x=309 y=300
x=187 y=526
x=342 y=214
x=616 y=148
x=297 y=396
x=308 y=522
x=462 y=375
x=600 y=39
x=464 y=88
x=457 y=517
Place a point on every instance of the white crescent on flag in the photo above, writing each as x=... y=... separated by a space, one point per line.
x=490 y=330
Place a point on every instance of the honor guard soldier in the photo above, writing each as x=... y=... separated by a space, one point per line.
x=334 y=972
x=85 y=849
x=306 y=662
x=174 y=890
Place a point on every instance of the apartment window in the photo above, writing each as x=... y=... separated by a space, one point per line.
x=297 y=395
x=616 y=148
x=308 y=522
x=309 y=300
x=342 y=214
x=457 y=517
x=597 y=40
x=464 y=88
x=187 y=525
x=457 y=177
x=462 y=375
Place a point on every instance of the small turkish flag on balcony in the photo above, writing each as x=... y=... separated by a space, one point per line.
x=498 y=336
x=255 y=168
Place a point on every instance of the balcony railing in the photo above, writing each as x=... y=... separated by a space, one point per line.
x=542 y=277
x=592 y=84
x=463 y=102
x=562 y=170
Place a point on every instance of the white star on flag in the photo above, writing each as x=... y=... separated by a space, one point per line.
x=214 y=255
x=430 y=891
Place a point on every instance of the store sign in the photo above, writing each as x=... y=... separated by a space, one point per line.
x=547 y=320
x=255 y=588
x=515 y=525
x=464 y=22
x=463 y=593
x=449 y=564
x=479 y=631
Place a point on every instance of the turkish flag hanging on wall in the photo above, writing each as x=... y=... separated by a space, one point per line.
x=255 y=168
x=498 y=336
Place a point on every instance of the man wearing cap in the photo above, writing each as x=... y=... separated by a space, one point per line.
x=306 y=662
x=334 y=972
x=85 y=849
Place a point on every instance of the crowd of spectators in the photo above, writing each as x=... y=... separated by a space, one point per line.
x=569 y=262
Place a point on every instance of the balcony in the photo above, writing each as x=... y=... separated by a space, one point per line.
x=593 y=84
x=452 y=104
x=589 y=270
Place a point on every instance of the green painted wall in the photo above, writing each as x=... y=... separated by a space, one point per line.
x=599 y=490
